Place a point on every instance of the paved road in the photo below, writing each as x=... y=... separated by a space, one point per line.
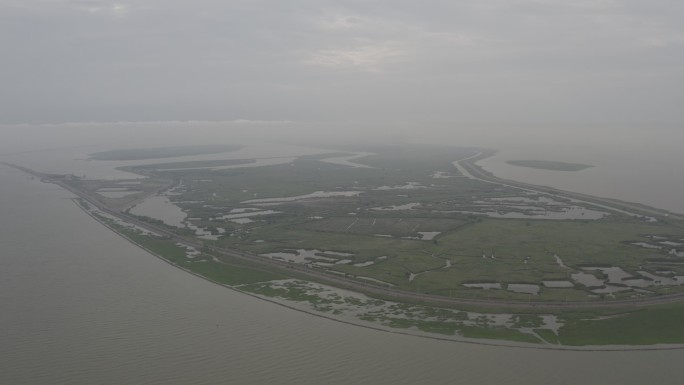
x=346 y=282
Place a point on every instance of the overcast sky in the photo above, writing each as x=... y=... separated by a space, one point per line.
x=488 y=63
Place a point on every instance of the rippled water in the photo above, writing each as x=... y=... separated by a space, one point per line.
x=81 y=305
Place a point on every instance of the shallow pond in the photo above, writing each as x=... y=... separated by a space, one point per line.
x=160 y=207
x=586 y=279
x=523 y=288
x=428 y=235
x=484 y=286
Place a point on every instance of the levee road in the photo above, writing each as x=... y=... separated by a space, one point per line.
x=346 y=282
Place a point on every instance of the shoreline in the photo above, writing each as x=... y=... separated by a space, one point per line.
x=468 y=168
x=358 y=287
x=497 y=165
x=386 y=329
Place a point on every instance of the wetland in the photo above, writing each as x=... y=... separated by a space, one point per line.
x=395 y=233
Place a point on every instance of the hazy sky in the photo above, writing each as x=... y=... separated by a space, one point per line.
x=487 y=63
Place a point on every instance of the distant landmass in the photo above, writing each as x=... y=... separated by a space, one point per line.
x=549 y=165
x=414 y=234
x=163 y=152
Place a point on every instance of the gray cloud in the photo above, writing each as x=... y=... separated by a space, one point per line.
x=485 y=63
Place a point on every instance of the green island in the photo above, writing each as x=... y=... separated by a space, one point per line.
x=415 y=239
x=549 y=165
x=163 y=152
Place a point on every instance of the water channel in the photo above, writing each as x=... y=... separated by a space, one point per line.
x=81 y=305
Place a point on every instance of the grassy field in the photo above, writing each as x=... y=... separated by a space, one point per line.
x=515 y=251
x=647 y=326
x=409 y=191
x=408 y=221
x=651 y=325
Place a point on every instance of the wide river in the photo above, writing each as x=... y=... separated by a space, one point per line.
x=651 y=176
x=81 y=305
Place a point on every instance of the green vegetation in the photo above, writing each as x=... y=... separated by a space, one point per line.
x=412 y=222
x=650 y=325
x=498 y=334
x=221 y=272
x=231 y=274
x=547 y=335
x=143 y=169
x=549 y=165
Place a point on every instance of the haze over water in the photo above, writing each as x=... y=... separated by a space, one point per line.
x=598 y=82
x=642 y=167
x=646 y=172
x=80 y=305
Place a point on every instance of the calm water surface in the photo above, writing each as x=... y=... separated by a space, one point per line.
x=81 y=305
x=649 y=176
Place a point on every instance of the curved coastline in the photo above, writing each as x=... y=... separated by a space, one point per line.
x=499 y=343
x=385 y=329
